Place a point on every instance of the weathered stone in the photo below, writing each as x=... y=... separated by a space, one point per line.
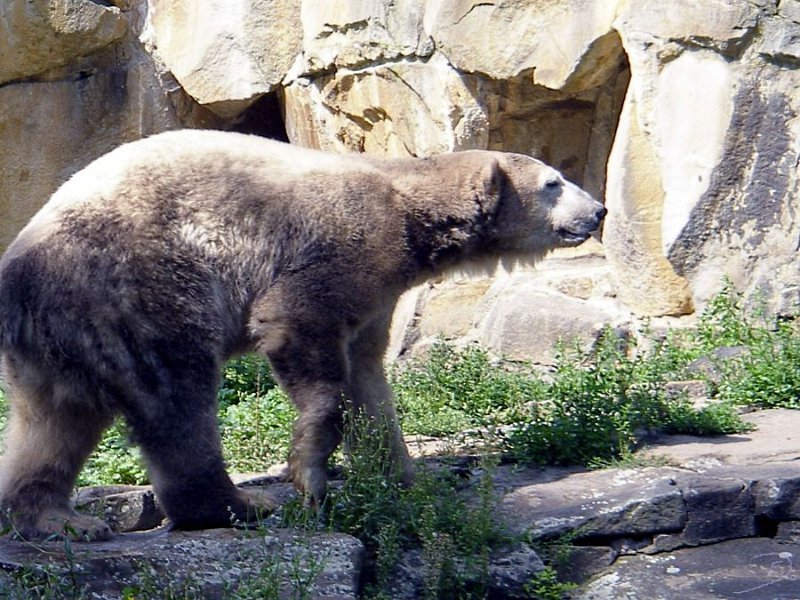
x=346 y=34
x=400 y=109
x=744 y=224
x=406 y=580
x=646 y=281
x=109 y=104
x=788 y=533
x=778 y=499
x=717 y=510
x=781 y=39
x=597 y=505
x=756 y=569
x=131 y=509
x=662 y=512
x=720 y=25
x=509 y=570
x=775 y=439
x=677 y=159
x=664 y=542
x=245 y=50
x=580 y=563
x=525 y=321
x=689 y=131
x=39 y=35
x=552 y=38
x=205 y=564
x=452 y=307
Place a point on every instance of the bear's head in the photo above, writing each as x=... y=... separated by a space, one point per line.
x=538 y=209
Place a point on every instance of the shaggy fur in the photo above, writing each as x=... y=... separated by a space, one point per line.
x=160 y=260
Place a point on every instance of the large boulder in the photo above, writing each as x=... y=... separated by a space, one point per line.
x=214 y=564
x=702 y=172
x=245 y=49
x=38 y=35
x=404 y=108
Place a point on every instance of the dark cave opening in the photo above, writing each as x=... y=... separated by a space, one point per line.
x=264 y=118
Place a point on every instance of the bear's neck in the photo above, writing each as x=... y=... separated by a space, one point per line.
x=446 y=223
x=441 y=240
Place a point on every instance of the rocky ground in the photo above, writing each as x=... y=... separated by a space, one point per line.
x=720 y=523
x=722 y=520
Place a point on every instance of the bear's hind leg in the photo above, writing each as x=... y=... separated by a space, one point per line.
x=49 y=435
x=180 y=441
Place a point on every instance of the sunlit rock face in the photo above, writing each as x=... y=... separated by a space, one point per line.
x=681 y=116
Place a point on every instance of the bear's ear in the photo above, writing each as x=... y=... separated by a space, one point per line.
x=494 y=180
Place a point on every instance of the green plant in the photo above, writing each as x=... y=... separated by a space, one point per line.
x=598 y=406
x=276 y=576
x=243 y=378
x=455 y=535
x=149 y=584
x=54 y=581
x=545 y=585
x=35 y=583
x=725 y=322
x=114 y=461
x=768 y=375
x=450 y=391
x=256 y=430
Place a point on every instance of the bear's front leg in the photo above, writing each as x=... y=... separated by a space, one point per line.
x=373 y=400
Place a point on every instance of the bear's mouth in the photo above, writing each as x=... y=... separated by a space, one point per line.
x=573 y=237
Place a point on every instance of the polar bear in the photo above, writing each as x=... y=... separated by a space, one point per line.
x=160 y=260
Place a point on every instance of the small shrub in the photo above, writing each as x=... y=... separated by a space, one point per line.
x=724 y=321
x=451 y=391
x=242 y=378
x=115 y=461
x=599 y=406
x=545 y=585
x=768 y=375
x=455 y=536
x=256 y=430
x=714 y=419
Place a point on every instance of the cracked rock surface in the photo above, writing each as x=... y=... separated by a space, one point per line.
x=722 y=521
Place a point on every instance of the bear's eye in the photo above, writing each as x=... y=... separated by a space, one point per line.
x=552 y=183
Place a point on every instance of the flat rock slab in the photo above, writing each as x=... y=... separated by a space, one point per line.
x=210 y=564
x=732 y=477
x=723 y=521
x=745 y=569
x=775 y=439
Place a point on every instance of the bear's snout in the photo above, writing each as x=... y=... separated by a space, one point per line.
x=578 y=216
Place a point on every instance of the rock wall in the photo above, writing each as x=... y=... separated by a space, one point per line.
x=681 y=115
